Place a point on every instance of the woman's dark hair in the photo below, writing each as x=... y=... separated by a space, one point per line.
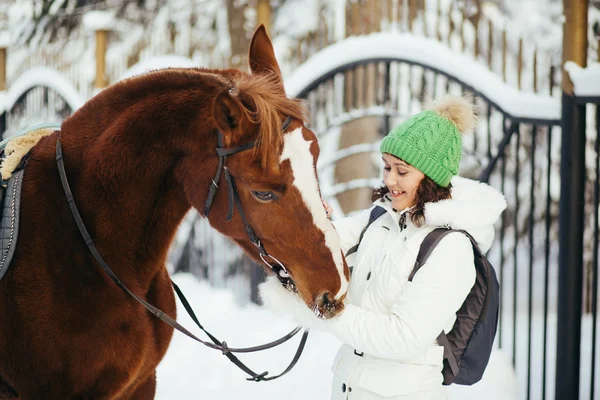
x=427 y=192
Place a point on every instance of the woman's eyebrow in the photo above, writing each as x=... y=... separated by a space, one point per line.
x=397 y=163
x=401 y=163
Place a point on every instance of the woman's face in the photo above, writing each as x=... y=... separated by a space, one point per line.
x=402 y=180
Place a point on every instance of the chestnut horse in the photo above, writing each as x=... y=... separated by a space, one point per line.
x=138 y=156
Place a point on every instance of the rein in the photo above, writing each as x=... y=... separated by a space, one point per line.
x=279 y=269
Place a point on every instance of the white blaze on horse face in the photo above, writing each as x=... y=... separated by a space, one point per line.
x=297 y=150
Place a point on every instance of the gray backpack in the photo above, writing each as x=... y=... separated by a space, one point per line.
x=468 y=346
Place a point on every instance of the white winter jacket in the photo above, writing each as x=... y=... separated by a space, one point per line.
x=390 y=325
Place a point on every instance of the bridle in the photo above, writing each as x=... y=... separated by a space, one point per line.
x=234 y=198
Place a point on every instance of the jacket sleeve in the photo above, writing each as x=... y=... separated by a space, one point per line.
x=349 y=228
x=421 y=309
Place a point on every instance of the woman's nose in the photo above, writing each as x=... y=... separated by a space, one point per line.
x=389 y=180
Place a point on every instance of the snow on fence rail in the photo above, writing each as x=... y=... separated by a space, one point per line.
x=427 y=53
x=44 y=77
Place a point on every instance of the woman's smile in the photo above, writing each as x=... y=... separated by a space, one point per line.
x=397 y=193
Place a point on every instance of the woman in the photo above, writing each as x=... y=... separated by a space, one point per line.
x=390 y=325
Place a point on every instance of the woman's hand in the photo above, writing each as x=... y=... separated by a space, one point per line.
x=328 y=208
x=281 y=301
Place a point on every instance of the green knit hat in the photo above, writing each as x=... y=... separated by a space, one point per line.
x=431 y=141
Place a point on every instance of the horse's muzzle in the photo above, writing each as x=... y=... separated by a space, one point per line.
x=327 y=306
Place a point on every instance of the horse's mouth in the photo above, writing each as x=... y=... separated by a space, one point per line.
x=325 y=309
x=321 y=308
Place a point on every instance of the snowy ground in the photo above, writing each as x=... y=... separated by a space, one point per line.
x=193 y=371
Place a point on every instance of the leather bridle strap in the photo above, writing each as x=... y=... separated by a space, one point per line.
x=218 y=345
x=235 y=202
x=222 y=153
x=234 y=199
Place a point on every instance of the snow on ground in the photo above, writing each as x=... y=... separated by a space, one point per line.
x=192 y=371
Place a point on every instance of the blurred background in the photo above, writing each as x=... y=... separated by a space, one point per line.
x=532 y=67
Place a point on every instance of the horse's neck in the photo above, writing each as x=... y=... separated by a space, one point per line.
x=130 y=209
x=121 y=155
x=126 y=187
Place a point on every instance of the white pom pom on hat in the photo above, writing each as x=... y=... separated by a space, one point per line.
x=460 y=110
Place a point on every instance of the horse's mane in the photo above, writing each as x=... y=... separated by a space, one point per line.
x=262 y=96
x=264 y=103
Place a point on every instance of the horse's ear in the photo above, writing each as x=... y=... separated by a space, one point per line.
x=227 y=112
x=261 y=55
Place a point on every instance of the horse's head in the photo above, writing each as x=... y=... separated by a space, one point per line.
x=276 y=183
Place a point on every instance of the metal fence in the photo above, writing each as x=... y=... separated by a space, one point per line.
x=519 y=156
x=39 y=104
x=591 y=239
x=578 y=287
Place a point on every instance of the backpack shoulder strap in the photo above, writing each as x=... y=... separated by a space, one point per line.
x=431 y=240
x=443 y=341
x=473 y=242
x=427 y=246
x=376 y=212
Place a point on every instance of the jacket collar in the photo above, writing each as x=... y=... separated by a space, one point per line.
x=474 y=207
x=386 y=202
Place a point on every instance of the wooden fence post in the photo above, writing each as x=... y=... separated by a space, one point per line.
x=596 y=30
x=99 y=22
x=490 y=43
x=438 y=32
x=4 y=44
x=263 y=14
x=2 y=68
x=476 y=19
x=504 y=49
x=520 y=63
x=101 y=81
x=463 y=19
x=412 y=13
x=535 y=72
x=450 y=24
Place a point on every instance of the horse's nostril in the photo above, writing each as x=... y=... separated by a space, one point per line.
x=327 y=305
x=326 y=299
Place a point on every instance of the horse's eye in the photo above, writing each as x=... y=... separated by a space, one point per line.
x=264 y=196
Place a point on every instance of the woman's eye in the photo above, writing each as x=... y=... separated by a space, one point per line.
x=387 y=169
x=402 y=173
x=264 y=196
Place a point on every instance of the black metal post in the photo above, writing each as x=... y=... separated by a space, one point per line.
x=3 y=123
x=570 y=256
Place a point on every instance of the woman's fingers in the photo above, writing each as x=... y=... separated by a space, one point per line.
x=328 y=208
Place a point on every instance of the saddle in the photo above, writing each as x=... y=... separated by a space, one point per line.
x=14 y=153
x=10 y=194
